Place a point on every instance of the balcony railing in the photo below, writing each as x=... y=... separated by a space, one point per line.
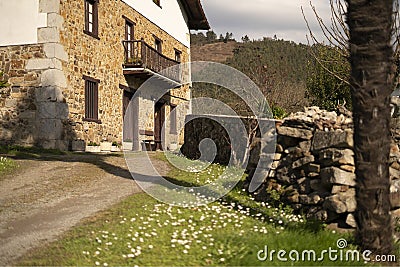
x=138 y=54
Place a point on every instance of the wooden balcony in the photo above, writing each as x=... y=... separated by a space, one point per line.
x=142 y=59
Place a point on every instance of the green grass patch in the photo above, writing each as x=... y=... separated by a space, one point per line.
x=6 y=165
x=232 y=231
x=28 y=152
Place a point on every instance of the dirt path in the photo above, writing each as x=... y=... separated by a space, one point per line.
x=49 y=195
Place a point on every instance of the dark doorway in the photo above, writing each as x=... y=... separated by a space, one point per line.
x=128 y=111
x=159 y=117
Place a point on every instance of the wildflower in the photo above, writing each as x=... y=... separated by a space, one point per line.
x=97 y=263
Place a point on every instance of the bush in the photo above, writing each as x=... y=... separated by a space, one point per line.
x=327 y=80
x=279 y=112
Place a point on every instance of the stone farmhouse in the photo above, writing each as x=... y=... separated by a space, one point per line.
x=74 y=65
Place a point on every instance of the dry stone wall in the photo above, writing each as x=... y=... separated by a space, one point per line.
x=312 y=168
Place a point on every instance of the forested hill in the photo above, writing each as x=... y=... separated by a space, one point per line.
x=278 y=67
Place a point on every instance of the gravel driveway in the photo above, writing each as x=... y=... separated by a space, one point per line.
x=50 y=194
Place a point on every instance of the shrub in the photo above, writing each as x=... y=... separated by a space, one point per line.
x=327 y=82
x=279 y=112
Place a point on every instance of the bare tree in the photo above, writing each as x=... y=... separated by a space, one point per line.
x=336 y=33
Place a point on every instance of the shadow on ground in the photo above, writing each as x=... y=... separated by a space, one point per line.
x=38 y=154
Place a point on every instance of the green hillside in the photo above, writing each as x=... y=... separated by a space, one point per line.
x=278 y=67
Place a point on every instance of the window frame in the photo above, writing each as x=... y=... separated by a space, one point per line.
x=178 y=55
x=129 y=24
x=158 y=44
x=91 y=99
x=95 y=23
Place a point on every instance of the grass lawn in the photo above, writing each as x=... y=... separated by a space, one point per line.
x=141 y=231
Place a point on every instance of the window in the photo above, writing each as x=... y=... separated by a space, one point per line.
x=91 y=99
x=158 y=45
x=129 y=36
x=91 y=18
x=178 y=55
x=172 y=118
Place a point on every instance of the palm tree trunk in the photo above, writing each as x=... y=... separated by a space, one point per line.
x=371 y=58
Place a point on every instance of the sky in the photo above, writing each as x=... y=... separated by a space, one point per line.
x=265 y=18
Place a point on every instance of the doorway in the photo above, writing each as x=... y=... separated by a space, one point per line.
x=128 y=116
x=159 y=117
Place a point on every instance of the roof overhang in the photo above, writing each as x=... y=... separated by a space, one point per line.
x=196 y=17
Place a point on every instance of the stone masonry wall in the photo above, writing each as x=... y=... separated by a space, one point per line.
x=17 y=102
x=45 y=103
x=102 y=59
x=38 y=108
x=313 y=165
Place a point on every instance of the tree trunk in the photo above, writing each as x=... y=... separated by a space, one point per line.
x=371 y=58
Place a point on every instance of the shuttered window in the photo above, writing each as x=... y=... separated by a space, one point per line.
x=129 y=36
x=91 y=18
x=91 y=99
x=178 y=55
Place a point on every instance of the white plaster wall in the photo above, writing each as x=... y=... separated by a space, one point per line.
x=170 y=17
x=19 y=22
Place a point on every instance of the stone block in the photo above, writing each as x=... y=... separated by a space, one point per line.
x=351 y=220
x=339 y=188
x=78 y=145
x=52 y=110
x=305 y=146
x=43 y=64
x=53 y=77
x=55 y=50
x=62 y=145
x=303 y=161
x=333 y=156
x=395 y=213
x=50 y=129
x=295 y=152
x=48 y=144
x=55 y=20
x=49 y=93
x=395 y=194
x=394 y=174
x=342 y=202
x=337 y=139
x=10 y=103
x=28 y=115
x=348 y=168
x=334 y=175
x=49 y=6
x=311 y=199
x=48 y=35
x=295 y=132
